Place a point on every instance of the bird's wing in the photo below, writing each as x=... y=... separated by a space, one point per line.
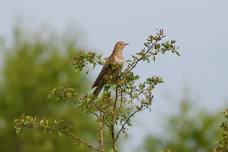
x=102 y=73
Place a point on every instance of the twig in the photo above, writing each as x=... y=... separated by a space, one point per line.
x=98 y=117
x=122 y=127
x=132 y=66
x=79 y=140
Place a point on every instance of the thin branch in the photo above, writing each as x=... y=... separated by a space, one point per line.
x=101 y=137
x=121 y=99
x=112 y=128
x=79 y=140
x=116 y=98
x=95 y=114
x=122 y=127
x=113 y=137
x=132 y=66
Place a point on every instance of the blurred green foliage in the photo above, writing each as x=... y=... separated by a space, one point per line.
x=190 y=130
x=222 y=143
x=33 y=64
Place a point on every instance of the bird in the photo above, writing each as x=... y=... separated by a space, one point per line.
x=111 y=68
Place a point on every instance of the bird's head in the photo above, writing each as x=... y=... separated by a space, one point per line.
x=120 y=45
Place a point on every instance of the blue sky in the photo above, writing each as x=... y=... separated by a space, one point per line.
x=199 y=27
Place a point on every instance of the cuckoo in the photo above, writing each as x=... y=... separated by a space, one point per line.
x=111 y=68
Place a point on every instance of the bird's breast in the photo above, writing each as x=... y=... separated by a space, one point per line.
x=119 y=60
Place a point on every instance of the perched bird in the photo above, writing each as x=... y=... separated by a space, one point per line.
x=111 y=69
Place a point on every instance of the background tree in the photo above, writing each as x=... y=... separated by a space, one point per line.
x=189 y=130
x=33 y=64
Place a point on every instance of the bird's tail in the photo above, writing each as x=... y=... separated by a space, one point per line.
x=97 y=91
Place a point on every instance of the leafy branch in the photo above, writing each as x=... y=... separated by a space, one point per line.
x=60 y=127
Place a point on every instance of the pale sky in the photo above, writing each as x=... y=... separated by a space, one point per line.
x=200 y=28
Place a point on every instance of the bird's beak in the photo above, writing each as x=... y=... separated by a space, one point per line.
x=126 y=43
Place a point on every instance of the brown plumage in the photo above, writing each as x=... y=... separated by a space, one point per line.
x=110 y=71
